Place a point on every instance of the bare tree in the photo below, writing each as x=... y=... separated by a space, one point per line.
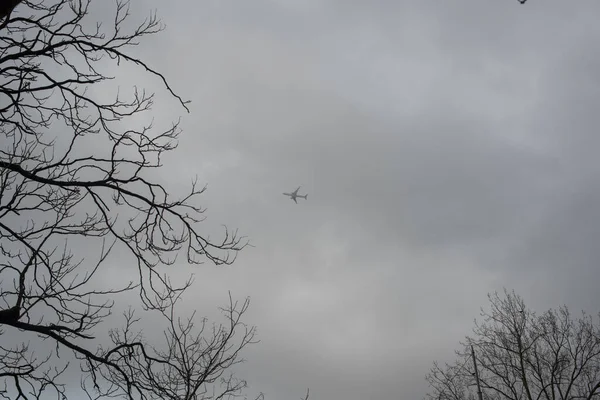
x=74 y=176
x=522 y=356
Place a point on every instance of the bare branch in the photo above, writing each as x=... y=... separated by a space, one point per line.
x=79 y=182
x=522 y=356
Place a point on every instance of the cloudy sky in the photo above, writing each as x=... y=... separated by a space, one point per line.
x=448 y=149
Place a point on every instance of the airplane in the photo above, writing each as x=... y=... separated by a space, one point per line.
x=295 y=195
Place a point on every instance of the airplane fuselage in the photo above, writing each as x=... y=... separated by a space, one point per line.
x=295 y=196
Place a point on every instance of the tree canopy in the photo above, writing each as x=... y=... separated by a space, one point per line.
x=524 y=356
x=78 y=183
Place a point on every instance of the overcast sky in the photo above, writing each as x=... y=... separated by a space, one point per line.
x=448 y=149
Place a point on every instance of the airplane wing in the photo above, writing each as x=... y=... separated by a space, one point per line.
x=295 y=201
x=296 y=191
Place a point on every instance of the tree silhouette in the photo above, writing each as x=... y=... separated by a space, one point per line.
x=522 y=356
x=77 y=182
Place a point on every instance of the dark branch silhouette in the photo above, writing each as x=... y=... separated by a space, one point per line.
x=6 y=8
x=78 y=181
x=523 y=356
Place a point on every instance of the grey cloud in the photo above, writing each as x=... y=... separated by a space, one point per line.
x=448 y=150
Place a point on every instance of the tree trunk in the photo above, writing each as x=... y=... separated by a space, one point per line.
x=6 y=7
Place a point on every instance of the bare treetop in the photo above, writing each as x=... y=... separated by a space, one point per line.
x=75 y=176
x=47 y=121
x=523 y=356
